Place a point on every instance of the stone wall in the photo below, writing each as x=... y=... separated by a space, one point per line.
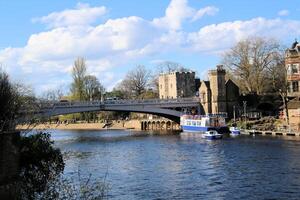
x=205 y=97
x=9 y=164
x=185 y=84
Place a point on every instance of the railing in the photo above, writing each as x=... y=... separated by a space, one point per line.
x=51 y=104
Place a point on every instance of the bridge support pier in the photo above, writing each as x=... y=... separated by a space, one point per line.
x=158 y=125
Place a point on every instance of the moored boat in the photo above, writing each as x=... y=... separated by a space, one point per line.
x=200 y=124
x=212 y=135
x=234 y=131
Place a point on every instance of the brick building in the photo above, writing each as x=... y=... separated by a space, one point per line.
x=292 y=64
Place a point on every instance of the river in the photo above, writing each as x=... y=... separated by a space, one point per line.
x=173 y=167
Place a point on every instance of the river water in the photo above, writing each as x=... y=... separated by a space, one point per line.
x=140 y=166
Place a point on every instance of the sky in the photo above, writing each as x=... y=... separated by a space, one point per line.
x=39 y=40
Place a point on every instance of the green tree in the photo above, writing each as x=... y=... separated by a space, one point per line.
x=40 y=163
x=116 y=92
x=10 y=103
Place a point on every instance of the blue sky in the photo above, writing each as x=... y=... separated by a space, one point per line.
x=39 y=40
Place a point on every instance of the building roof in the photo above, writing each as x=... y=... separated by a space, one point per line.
x=207 y=84
x=294 y=44
x=229 y=81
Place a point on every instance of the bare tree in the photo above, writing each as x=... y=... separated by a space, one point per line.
x=279 y=83
x=250 y=61
x=17 y=103
x=169 y=66
x=78 y=74
x=93 y=88
x=136 y=81
x=53 y=94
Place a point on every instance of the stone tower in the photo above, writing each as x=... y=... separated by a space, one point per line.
x=218 y=89
x=177 y=85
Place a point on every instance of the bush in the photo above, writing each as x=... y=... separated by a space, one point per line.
x=41 y=173
x=75 y=188
x=40 y=163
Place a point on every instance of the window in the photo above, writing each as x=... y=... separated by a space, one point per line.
x=160 y=86
x=171 y=85
x=289 y=88
x=289 y=69
x=203 y=99
x=295 y=86
x=295 y=69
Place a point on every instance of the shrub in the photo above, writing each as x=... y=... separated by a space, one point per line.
x=40 y=163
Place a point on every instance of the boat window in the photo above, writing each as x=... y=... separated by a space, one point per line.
x=194 y=123
x=207 y=122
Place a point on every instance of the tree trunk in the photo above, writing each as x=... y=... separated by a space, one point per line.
x=284 y=100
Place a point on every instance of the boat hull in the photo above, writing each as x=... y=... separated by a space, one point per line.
x=235 y=133
x=212 y=137
x=201 y=129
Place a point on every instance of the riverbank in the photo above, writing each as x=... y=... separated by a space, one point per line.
x=273 y=133
x=116 y=125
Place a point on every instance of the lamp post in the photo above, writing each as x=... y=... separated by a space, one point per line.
x=245 y=110
x=234 y=114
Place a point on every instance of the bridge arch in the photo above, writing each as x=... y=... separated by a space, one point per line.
x=170 y=109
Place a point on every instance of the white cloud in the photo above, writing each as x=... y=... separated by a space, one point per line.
x=283 y=13
x=48 y=56
x=209 y=10
x=178 y=11
x=83 y=14
x=218 y=37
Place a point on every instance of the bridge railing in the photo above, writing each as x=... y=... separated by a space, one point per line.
x=151 y=101
x=51 y=104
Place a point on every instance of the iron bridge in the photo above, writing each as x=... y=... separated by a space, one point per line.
x=168 y=108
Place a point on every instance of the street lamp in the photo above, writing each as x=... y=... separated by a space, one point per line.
x=234 y=114
x=245 y=110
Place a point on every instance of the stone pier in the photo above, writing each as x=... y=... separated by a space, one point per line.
x=159 y=125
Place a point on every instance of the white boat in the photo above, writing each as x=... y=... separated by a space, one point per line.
x=199 y=124
x=234 y=131
x=212 y=135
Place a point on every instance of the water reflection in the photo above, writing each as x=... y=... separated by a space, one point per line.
x=140 y=166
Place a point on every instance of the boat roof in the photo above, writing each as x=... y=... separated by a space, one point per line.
x=211 y=115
